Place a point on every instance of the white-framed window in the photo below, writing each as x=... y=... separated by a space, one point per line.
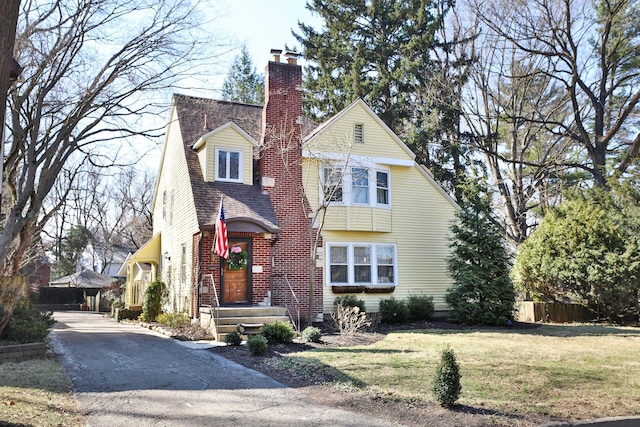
x=164 y=204
x=360 y=264
x=183 y=263
x=356 y=185
x=332 y=183
x=228 y=165
x=171 y=199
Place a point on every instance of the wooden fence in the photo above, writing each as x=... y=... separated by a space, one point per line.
x=529 y=311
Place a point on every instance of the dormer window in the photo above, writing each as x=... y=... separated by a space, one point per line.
x=358 y=135
x=228 y=165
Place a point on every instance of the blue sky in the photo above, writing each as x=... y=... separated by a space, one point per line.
x=262 y=24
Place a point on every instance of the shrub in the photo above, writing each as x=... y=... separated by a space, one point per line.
x=446 y=383
x=174 y=320
x=233 y=338
x=126 y=314
x=278 y=332
x=420 y=307
x=28 y=324
x=311 y=334
x=350 y=301
x=257 y=344
x=117 y=304
x=153 y=297
x=393 y=311
x=349 y=320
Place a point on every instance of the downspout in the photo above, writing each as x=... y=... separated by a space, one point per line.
x=196 y=315
x=271 y=279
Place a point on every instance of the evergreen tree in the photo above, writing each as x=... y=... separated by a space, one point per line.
x=375 y=50
x=482 y=293
x=588 y=250
x=70 y=251
x=243 y=83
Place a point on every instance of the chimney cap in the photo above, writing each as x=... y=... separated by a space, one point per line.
x=276 y=54
x=292 y=57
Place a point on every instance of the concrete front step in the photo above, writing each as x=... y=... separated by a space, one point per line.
x=230 y=317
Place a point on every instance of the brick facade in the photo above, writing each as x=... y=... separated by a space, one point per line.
x=280 y=167
x=210 y=264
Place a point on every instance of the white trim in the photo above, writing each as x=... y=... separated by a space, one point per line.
x=202 y=140
x=240 y=163
x=350 y=264
x=357 y=159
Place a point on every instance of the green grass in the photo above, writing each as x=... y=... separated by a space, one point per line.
x=565 y=371
x=37 y=393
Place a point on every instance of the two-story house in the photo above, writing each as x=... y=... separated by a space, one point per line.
x=340 y=207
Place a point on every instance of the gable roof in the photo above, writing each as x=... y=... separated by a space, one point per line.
x=242 y=202
x=358 y=102
x=86 y=279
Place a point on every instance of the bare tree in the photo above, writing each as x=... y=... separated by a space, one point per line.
x=507 y=106
x=95 y=70
x=589 y=50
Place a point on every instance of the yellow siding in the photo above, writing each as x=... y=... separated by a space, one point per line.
x=339 y=138
x=417 y=223
x=174 y=179
x=227 y=138
x=421 y=217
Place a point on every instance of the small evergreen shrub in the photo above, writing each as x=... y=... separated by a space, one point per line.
x=153 y=297
x=174 y=320
x=278 y=332
x=311 y=334
x=257 y=344
x=233 y=338
x=420 y=307
x=350 y=301
x=27 y=325
x=393 y=311
x=446 y=383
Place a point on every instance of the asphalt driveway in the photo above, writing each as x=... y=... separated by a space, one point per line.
x=124 y=375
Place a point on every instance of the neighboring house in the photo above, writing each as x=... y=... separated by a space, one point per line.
x=385 y=232
x=104 y=260
x=93 y=284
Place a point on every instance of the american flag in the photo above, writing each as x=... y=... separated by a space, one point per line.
x=221 y=247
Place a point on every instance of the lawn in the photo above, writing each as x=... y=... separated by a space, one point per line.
x=562 y=371
x=37 y=393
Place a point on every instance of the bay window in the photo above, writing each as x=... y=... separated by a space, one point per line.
x=357 y=186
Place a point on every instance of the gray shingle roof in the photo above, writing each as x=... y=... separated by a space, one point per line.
x=242 y=202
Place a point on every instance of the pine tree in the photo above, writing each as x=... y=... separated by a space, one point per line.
x=482 y=293
x=379 y=51
x=243 y=83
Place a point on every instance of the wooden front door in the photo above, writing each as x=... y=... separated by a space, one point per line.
x=236 y=277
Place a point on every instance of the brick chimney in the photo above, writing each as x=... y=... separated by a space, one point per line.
x=280 y=167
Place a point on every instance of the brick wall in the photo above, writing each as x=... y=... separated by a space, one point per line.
x=281 y=163
x=21 y=352
x=210 y=264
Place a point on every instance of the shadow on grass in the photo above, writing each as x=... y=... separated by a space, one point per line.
x=540 y=329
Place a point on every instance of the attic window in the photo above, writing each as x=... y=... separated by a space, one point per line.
x=358 y=137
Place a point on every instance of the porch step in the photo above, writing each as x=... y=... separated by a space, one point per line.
x=230 y=317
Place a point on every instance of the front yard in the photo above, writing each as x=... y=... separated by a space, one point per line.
x=523 y=376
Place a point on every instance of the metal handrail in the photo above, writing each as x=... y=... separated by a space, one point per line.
x=296 y=325
x=216 y=319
